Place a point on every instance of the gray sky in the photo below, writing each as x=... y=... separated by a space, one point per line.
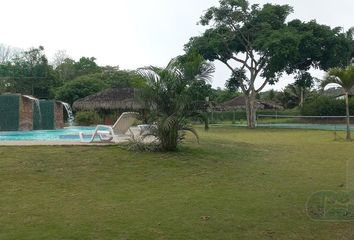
x=137 y=33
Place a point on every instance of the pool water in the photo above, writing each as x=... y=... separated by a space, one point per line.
x=66 y=134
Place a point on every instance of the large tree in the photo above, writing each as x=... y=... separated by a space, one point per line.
x=258 y=45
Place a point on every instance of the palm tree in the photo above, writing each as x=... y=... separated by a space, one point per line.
x=302 y=85
x=344 y=77
x=168 y=97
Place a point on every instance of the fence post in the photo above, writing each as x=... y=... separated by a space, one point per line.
x=234 y=116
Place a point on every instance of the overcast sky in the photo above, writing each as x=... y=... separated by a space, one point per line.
x=137 y=33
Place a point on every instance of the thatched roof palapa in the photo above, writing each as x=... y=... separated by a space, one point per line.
x=240 y=103
x=110 y=99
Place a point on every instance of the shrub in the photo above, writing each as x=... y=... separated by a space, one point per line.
x=87 y=118
x=80 y=87
x=325 y=106
x=169 y=96
x=139 y=145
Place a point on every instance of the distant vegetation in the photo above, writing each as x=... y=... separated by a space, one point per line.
x=258 y=38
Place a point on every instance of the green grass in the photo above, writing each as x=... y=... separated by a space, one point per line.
x=236 y=184
x=279 y=120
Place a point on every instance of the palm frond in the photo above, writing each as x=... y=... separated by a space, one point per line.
x=170 y=99
x=206 y=72
x=191 y=130
x=342 y=77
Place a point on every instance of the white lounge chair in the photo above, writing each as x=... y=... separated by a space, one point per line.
x=115 y=133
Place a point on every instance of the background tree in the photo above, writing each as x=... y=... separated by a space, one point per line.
x=344 y=77
x=69 y=69
x=28 y=72
x=256 y=43
x=66 y=71
x=59 y=58
x=270 y=95
x=86 y=66
x=7 y=53
x=117 y=78
x=31 y=74
x=88 y=84
x=80 y=87
x=303 y=83
x=223 y=95
x=290 y=97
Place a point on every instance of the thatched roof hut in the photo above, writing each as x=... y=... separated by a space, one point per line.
x=235 y=104
x=240 y=103
x=111 y=99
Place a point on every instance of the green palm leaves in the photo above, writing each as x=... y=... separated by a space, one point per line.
x=169 y=98
x=342 y=77
x=345 y=79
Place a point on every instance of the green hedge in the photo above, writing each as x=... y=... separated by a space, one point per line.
x=240 y=115
x=325 y=106
x=87 y=118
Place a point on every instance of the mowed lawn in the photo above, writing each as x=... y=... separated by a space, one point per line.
x=236 y=184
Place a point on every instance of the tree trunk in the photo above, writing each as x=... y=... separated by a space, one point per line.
x=302 y=97
x=349 y=138
x=251 y=110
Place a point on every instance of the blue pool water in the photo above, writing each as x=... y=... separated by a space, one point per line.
x=66 y=134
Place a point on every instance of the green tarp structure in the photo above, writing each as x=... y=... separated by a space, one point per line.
x=47 y=112
x=9 y=112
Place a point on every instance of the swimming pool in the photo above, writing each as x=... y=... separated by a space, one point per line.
x=66 y=134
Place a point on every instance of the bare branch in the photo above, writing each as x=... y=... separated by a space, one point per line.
x=244 y=62
x=243 y=87
x=263 y=86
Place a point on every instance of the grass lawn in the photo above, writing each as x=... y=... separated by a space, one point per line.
x=236 y=184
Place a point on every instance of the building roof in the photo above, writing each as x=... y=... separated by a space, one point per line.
x=240 y=103
x=111 y=99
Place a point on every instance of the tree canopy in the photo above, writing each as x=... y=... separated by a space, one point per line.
x=258 y=45
x=29 y=72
